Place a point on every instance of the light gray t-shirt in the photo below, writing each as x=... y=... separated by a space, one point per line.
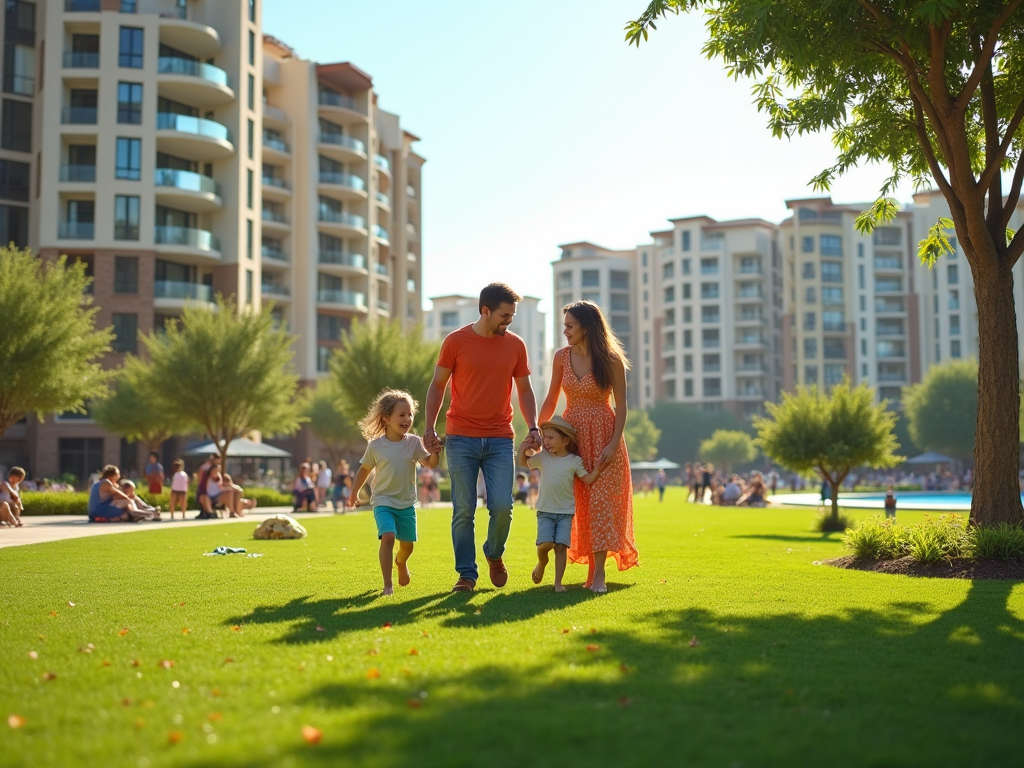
x=395 y=483
x=556 y=481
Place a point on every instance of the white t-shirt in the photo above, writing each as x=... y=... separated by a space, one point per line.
x=556 y=482
x=323 y=478
x=395 y=483
x=179 y=483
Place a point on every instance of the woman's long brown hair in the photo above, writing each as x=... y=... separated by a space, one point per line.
x=605 y=347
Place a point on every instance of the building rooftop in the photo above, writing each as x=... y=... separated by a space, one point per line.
x=344 y=75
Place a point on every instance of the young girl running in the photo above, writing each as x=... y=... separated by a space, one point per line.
x=393 y=452
x=559 y=464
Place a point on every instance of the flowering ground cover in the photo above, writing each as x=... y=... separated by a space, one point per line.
x=728 y=647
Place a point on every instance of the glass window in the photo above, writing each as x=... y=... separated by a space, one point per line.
x=248 y=286
x=252 y=11
x=834 y=373
x=126 y=274
x=17 y=126
x=810 y=348
x=808 y=244
x=709 y=266
x=252 y=92
x=810 y=295
x=590 y=278
x=249 y=188
x=687 y=314
x=129 y=103
x=252 y=48
x=709 y=290
x=129 y=159
x=710 y=314
x=620 y=302
x=686 y=240
x=834 y=349
x=687 y=363
x=808 y=270
x=832 y=272
x=668 y=270
x=713 y=387
x=80 y=456
x=619 y=280
x=686 y=266
x=710 y=338
x=954 y=349
x=251 y=138
x=14 y=180
x=687 y=339
x=14 y=225
x=130 y=54
x=686 y=290
x=126 y=332
x=831 y=295
x=860 y=276
x=712 y=363
x=563 y=280
x=810 y=321
x=833 y=321
x=810 y=374
x=952 y=276
x=831 y=245
x=670 y=294
x=129 y=6
x=687 y=387
x=248 y=238
x=954 y=325
x=954 y=300
x=126 y=217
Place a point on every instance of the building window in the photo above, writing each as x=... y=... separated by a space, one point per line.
x=810 y=374
x=129 y=159
x=808 y=270
x=810 y=321
x=323 y=358
x=687 y=340
x=14 y=225
x=686 y=290
x=834 y=373
x=251 y=135
x=80 y=456
x=810 y=348
x=709 y=290
x=668 y=270
x=618 y=280
x=831 y=245
x=126 y=274
x=126 y=332
x=129 y=103
x=248 y=188
x=687 y=314
x=686 y=240
x=252 y=48
x=687 y=383
x=808 y=244
x=126 y=217
x=713 y=387
x=670 y=317
x=248 y=238
x=831 y=295
x=687 y=363
x=709 y=266
x=710 y=338
x=832 y=272
x=330 y=327
x=887 y=236
x=563 y=281
x=252 y=11
x=129 y=6
x=712 y=363
x=252 y=92
x=686 y=266
x=860 y=277
x=248 y=286
x=810 y=295
x=834 y=349
x=833 y=321
x=130 y=54
x=590 y=278
x=14 y=181
x=710 y=314
x=954 y=325
x=17 y=126
x=952 y=276
x=954 y=349
x=670 y=294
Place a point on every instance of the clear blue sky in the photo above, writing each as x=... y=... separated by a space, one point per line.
x=540 y=126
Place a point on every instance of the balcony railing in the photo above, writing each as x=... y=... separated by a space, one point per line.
x=382 y=162
x=750 y=338
x=82 y=6
x=189 y=237
x=330 y=216
x=276 y=182
x=342 y=140
x=381 y=269
x=168 y=121
x=888 y=262
x=833 y=325
x=410 y=191
x=342 y=258
x=332 y=99
x=342 y=180
x=76 y=230
x=275 y=289
x=273 y=252
x=383 y=199
x=176 y=289
x=73 y=60
x=383 y=305
x=275 y=114
x=887 y=305
x=751 y=293
x=78 y=173
x=78 y=116
x=275 y=216
x=173 y=65
x=380 y=233
x=273 y=143
x=186 y=180
x=332 y=296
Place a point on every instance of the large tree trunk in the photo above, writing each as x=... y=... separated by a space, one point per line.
x=997 y=439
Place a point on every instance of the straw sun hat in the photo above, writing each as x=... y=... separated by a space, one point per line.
x=561 y=425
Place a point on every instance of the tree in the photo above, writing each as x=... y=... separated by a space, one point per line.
x=831 y=433
x=373 y=357
x=229 y=372
x=50 y=348
x=727 y=447
x=683 y=427
x=943 y=408
x=337 y=432
x=935 y=90
x=128 y=412
x=641 y=436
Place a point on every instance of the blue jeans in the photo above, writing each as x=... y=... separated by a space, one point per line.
x=467 y=456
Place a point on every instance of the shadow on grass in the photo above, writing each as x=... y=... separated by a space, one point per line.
x=831 y=537
x=900 y=685
x=337 y=616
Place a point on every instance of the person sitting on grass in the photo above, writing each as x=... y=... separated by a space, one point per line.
x=10 y=498
x=108 y=503
x=755 y=494
x=303 y=492
x=141 y=505
x=731 y=492
x=559 y=464
x=393 y=452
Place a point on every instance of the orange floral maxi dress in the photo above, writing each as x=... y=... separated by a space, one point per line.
x=604 y=511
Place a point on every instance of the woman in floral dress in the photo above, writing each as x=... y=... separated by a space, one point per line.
x=591 y=371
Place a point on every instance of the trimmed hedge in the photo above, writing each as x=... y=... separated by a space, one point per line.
x=77 y=503
x=948 y=537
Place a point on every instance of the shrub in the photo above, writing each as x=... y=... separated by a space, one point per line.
x=62 y=503
x=1002 y=542
x=826 y=523
x=877 y=539
x=945 y=538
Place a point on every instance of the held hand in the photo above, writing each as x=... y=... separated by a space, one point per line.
x=431 y=442
x=607 y=454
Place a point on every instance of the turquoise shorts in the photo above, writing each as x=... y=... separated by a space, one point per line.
x=400 y=522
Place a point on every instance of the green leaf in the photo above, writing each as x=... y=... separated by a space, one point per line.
x=882 y=211
x=936 y=244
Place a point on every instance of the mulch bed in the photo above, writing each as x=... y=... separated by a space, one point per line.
x=957 y=569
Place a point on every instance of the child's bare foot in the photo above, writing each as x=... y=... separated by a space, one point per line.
x=388 y=591
x=538 y=573
x=559 y=588
x=403 y=573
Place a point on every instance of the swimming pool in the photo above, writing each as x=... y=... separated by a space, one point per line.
x=948 y=501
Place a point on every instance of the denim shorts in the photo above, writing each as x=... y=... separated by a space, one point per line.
x=554 y=528
x=401 y=522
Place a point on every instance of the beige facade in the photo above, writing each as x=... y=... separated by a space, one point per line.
x=181 y=155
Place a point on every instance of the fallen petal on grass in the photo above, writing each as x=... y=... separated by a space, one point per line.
x=174 y=737
x=694 y=642
x=413 y=652
x=123 y=632
x=320 y=629
x=185 y=630
x=15 y=721
x=373 y=674
x=228 y=660
x=33 y=655
x=48 y=676
x=593 y=648
x=166 y=664
x=70 y=604
x=311 y=735
x=414 y=703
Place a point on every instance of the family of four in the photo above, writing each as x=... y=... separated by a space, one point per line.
x=585 y=521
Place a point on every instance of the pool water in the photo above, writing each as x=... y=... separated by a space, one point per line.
x=946 y=501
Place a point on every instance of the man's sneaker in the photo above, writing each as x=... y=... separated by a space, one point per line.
x=499 y=575
x=464 y=585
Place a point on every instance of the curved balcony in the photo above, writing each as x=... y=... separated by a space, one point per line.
x=347 y=299
x=383 y=306
x=174 y=293
x=186 y=190
x=73 y=60
x=193 y=82
x=275 y=220
x=342 y=261
x=383 y=200
x=274 y=253
x=342 y=145
x=380 y=233
x=346 y=224
x=343 y=185
x=187 y=241
x=193 y=137
x=274 y=290
x=275 y=148
x=272 y=114
x=192 y=37
x=382 y=271
x=275 y=186
x=341 y=108
x=383 y=163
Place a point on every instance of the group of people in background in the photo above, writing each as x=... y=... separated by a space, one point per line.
x=315 y=485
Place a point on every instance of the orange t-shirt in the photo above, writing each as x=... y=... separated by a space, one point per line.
x=483 y=370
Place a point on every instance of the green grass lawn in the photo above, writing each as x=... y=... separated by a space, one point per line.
x=728 y=647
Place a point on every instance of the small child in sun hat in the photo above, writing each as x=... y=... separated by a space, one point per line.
x=559 y=464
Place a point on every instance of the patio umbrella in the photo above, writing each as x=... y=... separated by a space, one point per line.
x=931 y=457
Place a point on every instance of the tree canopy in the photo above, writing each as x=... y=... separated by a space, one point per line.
x=50 y=349
x=641 y=436
x=338 y=433
x=829 y=432
x=933 y=89
x=127 y=411
x=229 y=372
x=943 y=409
x=684 y=427
x=373 y=357
x=725 y=448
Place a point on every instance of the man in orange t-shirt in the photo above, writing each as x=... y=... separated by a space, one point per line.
x=481 y=361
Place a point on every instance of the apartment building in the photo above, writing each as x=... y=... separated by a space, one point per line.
x=589 y=272
x=449 y=313
x=178 y=155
